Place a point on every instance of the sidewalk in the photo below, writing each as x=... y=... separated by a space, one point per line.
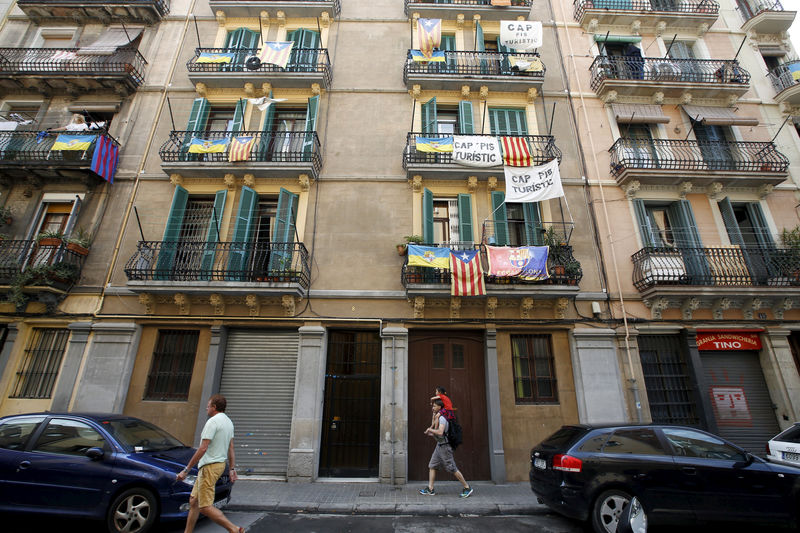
x=377 y=498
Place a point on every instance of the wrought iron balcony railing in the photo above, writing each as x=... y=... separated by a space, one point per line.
x=751 y=8
x=57 y=265
x=302 y=61
x=705 y=7
x=731 y=266
x=478 y=64
x=542 y=147
x=526 y=233
x=25 y=148
x=234 y=262
x=284 y=5
x=652 y=69
x=144 y=10
x=518 y=3
x=783 y=76
x=672 y=154
x=125 y=63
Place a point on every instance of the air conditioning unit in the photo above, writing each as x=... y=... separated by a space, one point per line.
x=665 y=70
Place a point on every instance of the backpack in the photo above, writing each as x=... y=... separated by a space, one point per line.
x=454 y=433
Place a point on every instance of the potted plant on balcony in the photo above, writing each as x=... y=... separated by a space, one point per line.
x=572 y=269
x=59 y=275
x=50 y=238
x=555 y=244
x=787 y=262
x=6 y=217
x=402 y=248
x=79 y=242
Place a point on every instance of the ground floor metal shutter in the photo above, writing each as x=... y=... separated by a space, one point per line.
x=740 y=401
x=258 y=376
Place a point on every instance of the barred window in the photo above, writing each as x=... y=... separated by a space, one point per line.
x=41 y=364
x=171 y=370
x=534 y=369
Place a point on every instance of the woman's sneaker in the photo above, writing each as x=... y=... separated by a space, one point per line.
x=425 y=491
x=466 y=493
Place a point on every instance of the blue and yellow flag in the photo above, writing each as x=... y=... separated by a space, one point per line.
x=435 y=144
x=436 y=56
x=207 y=146
x=73 y=142
x=428 y=256
x=794 y=68
x=221 y=57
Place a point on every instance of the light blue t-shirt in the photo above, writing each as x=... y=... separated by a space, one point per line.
x=219 y=430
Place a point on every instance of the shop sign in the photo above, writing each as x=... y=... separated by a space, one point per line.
x=728 y=341
x=730 y=405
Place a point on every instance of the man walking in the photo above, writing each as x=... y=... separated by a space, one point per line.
x=442 y=454
x=216 y=444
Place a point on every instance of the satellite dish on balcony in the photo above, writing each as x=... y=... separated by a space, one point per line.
x=252 y=63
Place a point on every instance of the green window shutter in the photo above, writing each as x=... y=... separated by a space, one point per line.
x=238 y=116
x=760 y=226
x=533 y=224
x=198 y=117
x=212 y=236
x=465 y=217
x=242 y=229
x=500 y=218
x=649 y=239
x=479 y=44
x=266 y=132
x=429 y=119
x=508 y=121
x=172 y=232
x=311 y=125
x=502 y=48
x=465 y=119
x=241 y=38
x=686 y=229
x=427 y=216
x=728 y=216
x=283 y=232
x=448 y=43
x=304 y=52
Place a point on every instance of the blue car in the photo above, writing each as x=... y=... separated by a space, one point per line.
x=107 y=467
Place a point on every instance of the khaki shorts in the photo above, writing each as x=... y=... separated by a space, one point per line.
x=442 y=458
x=207 y=478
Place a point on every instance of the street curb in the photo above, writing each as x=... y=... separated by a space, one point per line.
x=400 y=509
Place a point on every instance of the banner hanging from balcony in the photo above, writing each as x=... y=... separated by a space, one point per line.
x=428 y=256
x=208 y=146
x=276 y=52
x=240 y=148
x=466 y=274
x=521 y=35
x=476 y=151
x=526 y=64
x=434 y=144
x=526 y=262
x=429 y=32
x=533 y=184
x=436 y=56
x=105 y=158
x=72 y=142
x=516 y=152
x=221 y=57
x=501 y=2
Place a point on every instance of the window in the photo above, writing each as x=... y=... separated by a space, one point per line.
x=515 y=224
x=595 y=444
x=41 y=363
x=634 y=441
x=447 y=221
x=670 y=224
x=288 y=133
x=534 y=369
x=666 y=375
x=171 y=369
x=14 y=433
x=508 y=121
x=220 y=119
x=447 y=121
x=746 y=224
x=791 y=435
x=690 y=443
x=69 y=437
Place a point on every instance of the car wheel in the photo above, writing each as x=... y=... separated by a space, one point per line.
x=607 y=508
x=133 y=511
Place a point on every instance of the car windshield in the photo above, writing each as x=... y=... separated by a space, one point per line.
x=140 y=436
x=563 y=437
x=790 y=435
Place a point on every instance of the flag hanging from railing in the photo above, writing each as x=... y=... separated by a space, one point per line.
x=430 y=35
x=525 y=262
x=276 y=53
x=220 y=57
x=533 y=184
x=501 y=2
x=240 y=148
x=428 y=256
x=466 y=274
x=72 y=142
x=207 y=146
x=434 y=144
x=476 y=151
x=105 y=158
x=521 y=35
x=436 y=56
x=516 y=152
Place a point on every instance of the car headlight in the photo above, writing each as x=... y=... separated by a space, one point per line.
x=190 y=479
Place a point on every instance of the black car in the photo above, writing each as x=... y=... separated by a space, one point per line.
x=681 y=475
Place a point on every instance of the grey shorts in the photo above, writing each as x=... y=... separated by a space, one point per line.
x=442 y=458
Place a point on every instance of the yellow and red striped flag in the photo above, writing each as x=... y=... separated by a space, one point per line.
x=240 y=148
x=276 y=52
x=516 y=152
x=430 y=35
x=466 y=274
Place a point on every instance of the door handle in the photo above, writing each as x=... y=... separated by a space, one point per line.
x=689 y=470
x=24 y=465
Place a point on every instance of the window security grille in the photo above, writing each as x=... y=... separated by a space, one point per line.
x=171 y=370
x=666 y=376
x=41 y=364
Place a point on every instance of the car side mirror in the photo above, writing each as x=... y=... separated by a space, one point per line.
x=633 y=518
x=95 y=453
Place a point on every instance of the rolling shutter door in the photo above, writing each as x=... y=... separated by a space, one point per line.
x=258 y=380
x=733 y=370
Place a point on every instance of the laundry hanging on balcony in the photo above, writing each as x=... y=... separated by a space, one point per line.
x=241 y=147
x=108 y=43
x=428 y=256
x=429 y=32
x=525 y=262
x=105 y=158
x=72 y=142
x=533 y=184
x=516 y=152
x=434 y=144
x=207 y=146
x=466 y=274
x=264 y=102
x=476 y=151
x=276 y=52
x=435 y=56
x=220 y=57
x=521 y=35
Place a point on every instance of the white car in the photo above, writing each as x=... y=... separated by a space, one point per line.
x=784 y=448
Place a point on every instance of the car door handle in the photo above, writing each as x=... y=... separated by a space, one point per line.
x=640 y=476
x=24 y=465
x=689 y=470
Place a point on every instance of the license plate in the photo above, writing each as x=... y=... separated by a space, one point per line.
x=541 y=464
x=221 y=503
x=789 y=456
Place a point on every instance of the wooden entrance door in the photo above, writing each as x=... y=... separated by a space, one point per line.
x=454 y=361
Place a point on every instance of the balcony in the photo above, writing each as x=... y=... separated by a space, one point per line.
x=450 y=9
x=229 y=268
x=703 y=78
x=101 y=11
x=27 y=155
x=655 y=14
x=499 y=71
x=306 y=66
x=32 y=270
x=765 y=16
x=786 y=80
x=63 y=70
x=671 y=162
x=290 y=8
x=542 y=148
x=273 y=154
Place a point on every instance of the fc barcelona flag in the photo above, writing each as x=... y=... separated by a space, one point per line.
x=516 y=152
x=526 y=262
x=466 y=274
x=240 y=148
x=276 y=52
x=430 y=35
x=72 y=142
x=106 y=158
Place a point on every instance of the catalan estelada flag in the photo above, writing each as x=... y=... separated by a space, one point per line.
x=434 y=144
x=428 y=256
x=221 y=57
x=430 y=35
x=240 y=148
x=466 y=274
x=516 y=152
x=207 y=146
x=105 y=158
x=73 y=142
x=276 y=53
x=436 y=56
